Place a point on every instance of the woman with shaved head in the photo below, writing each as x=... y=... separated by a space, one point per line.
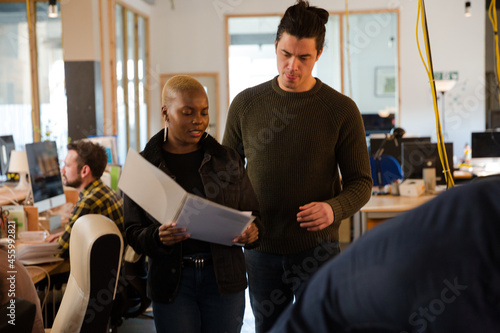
x=195 y=286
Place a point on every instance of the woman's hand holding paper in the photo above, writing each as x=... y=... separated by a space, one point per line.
x=170 y=235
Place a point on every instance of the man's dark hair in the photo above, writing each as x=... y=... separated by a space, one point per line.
x=304 y=21
x=92 y=154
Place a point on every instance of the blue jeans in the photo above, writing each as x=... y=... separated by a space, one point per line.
x=274 y=280
x=199 y=307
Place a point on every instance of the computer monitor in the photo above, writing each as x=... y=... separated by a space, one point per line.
x=419 y=155
x=390 y=147
x=485 y=144
x=45 y=176
x=485 y=150
x=6 y=146
x=377 y=124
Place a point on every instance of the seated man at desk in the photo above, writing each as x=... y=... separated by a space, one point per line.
x=433 y=269
x=83 y=168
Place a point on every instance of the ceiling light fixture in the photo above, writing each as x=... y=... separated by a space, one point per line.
x=467 y=9
x=53 y=9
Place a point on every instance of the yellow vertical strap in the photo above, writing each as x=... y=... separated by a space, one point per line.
x=430 y=73
x=492 y=14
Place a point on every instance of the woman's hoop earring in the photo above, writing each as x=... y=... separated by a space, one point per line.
x=208 y=129
x=165 y=132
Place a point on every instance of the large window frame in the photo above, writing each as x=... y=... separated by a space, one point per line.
x=40 y=130
x=137 y=99
x=130 y=78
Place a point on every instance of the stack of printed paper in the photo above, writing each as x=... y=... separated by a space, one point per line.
x=168 y=202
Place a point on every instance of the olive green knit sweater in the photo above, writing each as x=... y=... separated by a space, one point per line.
x=295 y=144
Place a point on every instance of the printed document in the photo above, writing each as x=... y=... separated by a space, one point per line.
x=37 y=253
x=165 y=200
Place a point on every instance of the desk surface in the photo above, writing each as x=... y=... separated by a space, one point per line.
x=37 y=272
x=382 y=207
x=8 y=193
x=462 y=174
x=390 y=203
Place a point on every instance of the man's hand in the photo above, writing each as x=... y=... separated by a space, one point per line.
x=315 y=216
x=248 y=236
x=54 y=237
x=169 y=234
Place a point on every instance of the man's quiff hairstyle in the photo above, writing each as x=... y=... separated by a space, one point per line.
x=92 y=154
x=177 y=84
x=304 y=21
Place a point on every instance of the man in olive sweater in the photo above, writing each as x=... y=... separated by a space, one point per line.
x=296 y=133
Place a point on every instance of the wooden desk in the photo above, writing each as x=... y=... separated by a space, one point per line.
x=462 y=175
x=38 y=274
x=382 y=207
x=8 y=193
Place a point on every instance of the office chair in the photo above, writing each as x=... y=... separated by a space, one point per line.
x=95 y=253
x=131 y=297
x=384 y=170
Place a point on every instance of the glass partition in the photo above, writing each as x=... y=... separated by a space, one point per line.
x=373 y=45
x=252 y=59
x=328 y=67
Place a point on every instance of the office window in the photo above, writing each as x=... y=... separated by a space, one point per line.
x=32 y=96
x=52 y=95
x=252 y=59
x=131 y=80
x=372 y=80
x=142 y=83
x=15 y=78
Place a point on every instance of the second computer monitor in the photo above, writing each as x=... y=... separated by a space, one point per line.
x=485 y=144
x=376 y=124
x=420 y=155
x=392 y=148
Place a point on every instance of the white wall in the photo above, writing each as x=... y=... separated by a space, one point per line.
x=192 y=38
x=85 y=32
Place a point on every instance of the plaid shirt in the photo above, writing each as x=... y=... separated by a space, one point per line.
x=96 y=198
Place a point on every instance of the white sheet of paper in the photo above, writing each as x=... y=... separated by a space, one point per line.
x=151 y=188
x=167 y=201
x=38 y=253
x=211 y=222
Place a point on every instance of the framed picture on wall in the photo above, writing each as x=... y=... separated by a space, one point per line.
x=211 y=83
x=385 y=81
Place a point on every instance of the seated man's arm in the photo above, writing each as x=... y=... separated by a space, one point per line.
x=80 y=209
x=54 y=237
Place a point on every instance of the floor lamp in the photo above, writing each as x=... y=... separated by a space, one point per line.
x=443 y=86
